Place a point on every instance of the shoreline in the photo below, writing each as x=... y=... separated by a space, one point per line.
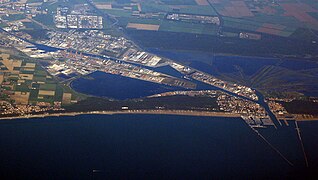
x=144 y=112
x=151 y=112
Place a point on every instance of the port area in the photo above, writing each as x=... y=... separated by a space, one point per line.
x=257 y=122
x=126 y=59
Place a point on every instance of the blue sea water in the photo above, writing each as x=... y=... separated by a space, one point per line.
x=137 y=147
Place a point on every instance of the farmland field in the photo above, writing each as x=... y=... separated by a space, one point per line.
x=152 y=13
x=283 y=19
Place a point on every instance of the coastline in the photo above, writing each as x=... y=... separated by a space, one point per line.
x=298 y=118
x=153 y=112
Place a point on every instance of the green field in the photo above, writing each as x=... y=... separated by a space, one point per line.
x=23 y=88
x=252 y=16
x=252 y=25
x=190 y=9
x=289 y=13
x=48 y=87
x=41 y=81
x=174 y=26
x=179 y=2
x=125 y=16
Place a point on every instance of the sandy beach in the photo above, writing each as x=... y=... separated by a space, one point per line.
x=164 y=112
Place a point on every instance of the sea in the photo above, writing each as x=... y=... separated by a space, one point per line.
x=135 y=146
x=146 y=147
